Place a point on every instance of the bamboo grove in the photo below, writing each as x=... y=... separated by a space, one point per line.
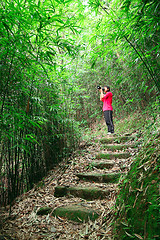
x=36 y=118
x=53 y=55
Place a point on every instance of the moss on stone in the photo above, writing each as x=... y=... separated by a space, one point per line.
x=76 y=213
x=113 y=147
x=82 y=192
x=104 y=164
x=115 y=139
x=44 y=211
x=60 y=191
x=97 y=177
x=113 y=155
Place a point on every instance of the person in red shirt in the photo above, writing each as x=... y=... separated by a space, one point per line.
x=107 y=108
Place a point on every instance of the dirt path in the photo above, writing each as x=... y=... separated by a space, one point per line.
x=25 y=223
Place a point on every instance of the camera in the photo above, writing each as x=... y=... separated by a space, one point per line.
x=98 y=87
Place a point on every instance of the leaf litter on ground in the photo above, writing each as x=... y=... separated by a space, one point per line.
x=25 y=224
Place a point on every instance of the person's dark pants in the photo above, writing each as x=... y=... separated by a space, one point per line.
x=109 y=120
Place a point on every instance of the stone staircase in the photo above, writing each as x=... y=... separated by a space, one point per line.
x=104 y=173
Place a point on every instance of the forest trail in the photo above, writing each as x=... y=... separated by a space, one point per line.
x=84 y=188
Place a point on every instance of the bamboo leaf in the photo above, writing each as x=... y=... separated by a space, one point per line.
x=138 y=236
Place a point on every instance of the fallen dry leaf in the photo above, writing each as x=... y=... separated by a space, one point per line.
x=27 y=225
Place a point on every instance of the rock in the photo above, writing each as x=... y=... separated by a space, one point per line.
x=44 y=211
x=89 y=193
x=115 y=139
x=102 y=178
x=113 y=155
x=114 y=147
x=103 y=164
x=76 y=213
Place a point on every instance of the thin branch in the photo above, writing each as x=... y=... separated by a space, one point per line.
x=131 y=44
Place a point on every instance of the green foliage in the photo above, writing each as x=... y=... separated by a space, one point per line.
x=138 y=203
x=53 y=55
x=37 y=126
x=131 y=124
x=121 y=50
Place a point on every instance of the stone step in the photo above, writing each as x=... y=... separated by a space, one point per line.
x=76 y=213
x=73 y=212
x=101 y=178
x=88 y=193
x=113 y=156
x=103 y=164
x=115 y=139
x=114 y=147
x=44 y=211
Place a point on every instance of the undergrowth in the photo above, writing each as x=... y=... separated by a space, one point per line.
x=138 y=202
x=137 y=209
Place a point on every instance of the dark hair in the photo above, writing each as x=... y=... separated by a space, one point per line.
x=108 y=88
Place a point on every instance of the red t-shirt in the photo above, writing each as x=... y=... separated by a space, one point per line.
x=107 y=101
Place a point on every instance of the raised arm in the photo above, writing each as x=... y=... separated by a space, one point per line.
x=101 y=95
